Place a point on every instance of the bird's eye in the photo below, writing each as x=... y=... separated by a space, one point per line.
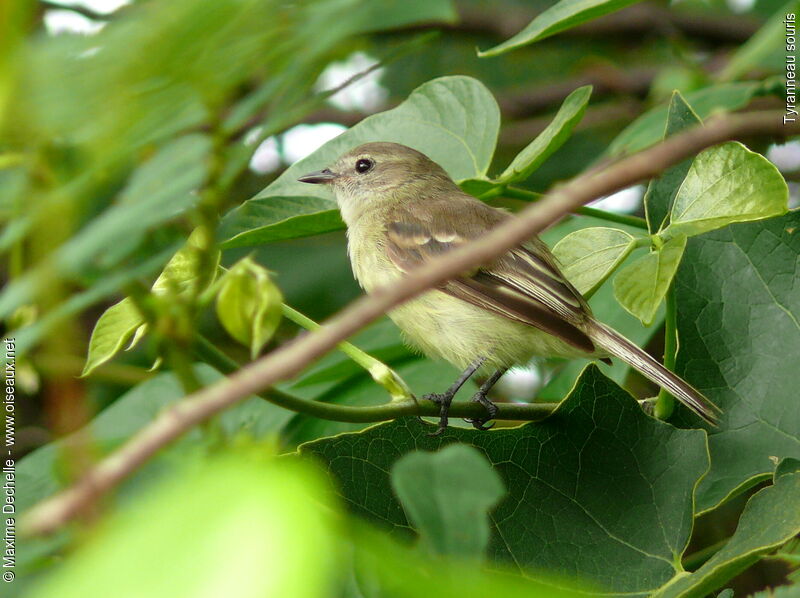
x=363 y=165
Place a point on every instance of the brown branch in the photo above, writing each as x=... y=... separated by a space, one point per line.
x=289 y=360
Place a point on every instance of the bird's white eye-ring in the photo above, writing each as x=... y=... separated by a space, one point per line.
x=364 y=165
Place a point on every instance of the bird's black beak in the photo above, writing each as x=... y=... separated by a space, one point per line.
x=320 y=176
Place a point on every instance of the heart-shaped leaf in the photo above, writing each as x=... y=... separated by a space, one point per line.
x=727 y=184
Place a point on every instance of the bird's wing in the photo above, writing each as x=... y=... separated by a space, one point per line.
x=523 y=285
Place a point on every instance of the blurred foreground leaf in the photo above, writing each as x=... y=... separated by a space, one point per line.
x=274 y=514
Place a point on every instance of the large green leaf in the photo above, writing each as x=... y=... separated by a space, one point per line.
x=727 y=184
x=549 y=140
x=275 y=514
x=268 y=219
x=649 y=128
x=453 y=120
x=449 y=524
x=770 y=519
x=598 y=490
x=739 y=335
x=661 y=191
x=641 y=286
x=563 y=15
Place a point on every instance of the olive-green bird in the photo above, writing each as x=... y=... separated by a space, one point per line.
x=402 y=209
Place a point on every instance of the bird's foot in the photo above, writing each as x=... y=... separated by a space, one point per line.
x=491 y=410
x=443 y=399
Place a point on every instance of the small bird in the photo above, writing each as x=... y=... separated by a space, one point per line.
x=402 y=209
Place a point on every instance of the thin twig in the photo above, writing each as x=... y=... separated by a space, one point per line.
x=288 y=360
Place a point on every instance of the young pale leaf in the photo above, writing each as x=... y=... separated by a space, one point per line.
x=111 y=332
x=661 y=191
x=453 y=120
x=549 y=140
x=727 y=184
x=275 y=514
x=563 y=15
x=589 y=255
x=451 y=509
x=249 y=304
x=649 y=127
x=641 y=286
x=120 y=321
x=770 y=518
x=181 y=272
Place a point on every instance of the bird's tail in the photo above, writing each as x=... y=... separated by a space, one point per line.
x=619 y=346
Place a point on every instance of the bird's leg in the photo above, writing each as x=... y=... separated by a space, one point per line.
x=443 y=399
x=480 y=397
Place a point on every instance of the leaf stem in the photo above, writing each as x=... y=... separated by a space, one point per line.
x=525 y=195
x=665 y=404
x=696 y=559
x=380 y=372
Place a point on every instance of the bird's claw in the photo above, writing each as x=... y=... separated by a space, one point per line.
x=491 y=410
x=443 y=400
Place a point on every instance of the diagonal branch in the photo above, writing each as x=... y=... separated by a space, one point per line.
x=288 y=360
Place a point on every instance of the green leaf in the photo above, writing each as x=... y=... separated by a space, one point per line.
x=453 y=120
x=161 y=189
x=249 y=305
x=111 y=332
x=392 y=14
x=770 y=518
x=275 y=513
x=727 y=184
x=661 y=191
x=451 y=508
x=549 y=140
x=589 y=255
x=269 y=219
x=180 y=275
x=739 y=309
x=121 y=320
x=598 y=490
x=641 y=286
x=41 y=473
x=649 y=128
x=384 y=568
x=566 y=14
x=764 y=50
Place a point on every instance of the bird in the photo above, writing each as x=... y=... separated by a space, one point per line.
x=401 y=210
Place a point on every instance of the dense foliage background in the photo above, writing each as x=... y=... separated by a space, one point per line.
x=154 y=237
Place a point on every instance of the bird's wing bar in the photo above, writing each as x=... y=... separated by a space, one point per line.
x=521 y=286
